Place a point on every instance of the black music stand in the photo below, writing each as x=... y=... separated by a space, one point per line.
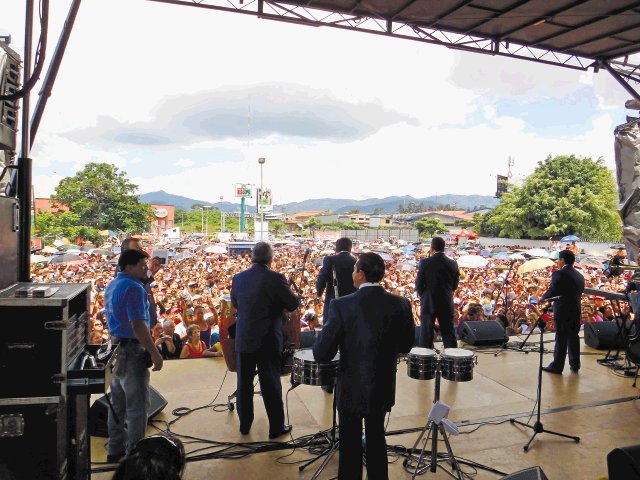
x=538 y=427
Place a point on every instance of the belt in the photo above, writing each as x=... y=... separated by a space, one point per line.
x=125 y=341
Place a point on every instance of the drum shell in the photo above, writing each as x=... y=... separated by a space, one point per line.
x=457 y=369
x=421 y=367
x=306 y=371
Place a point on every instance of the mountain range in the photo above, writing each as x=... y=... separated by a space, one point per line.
x=337 y=205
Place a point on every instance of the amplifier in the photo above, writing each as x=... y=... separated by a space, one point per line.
x=40 y=338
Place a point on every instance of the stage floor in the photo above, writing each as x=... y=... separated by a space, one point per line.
x=594 y=404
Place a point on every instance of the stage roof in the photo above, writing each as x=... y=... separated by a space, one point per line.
x=570 y=33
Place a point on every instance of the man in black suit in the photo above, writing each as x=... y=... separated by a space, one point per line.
x=259 y=296
x=343 y=263
x=370 y=326
x=437 y=279
x=568 y=284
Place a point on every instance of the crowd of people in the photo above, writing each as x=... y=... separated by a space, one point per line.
x=187 y=293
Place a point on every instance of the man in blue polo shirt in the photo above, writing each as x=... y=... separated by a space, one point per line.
x=127 y=310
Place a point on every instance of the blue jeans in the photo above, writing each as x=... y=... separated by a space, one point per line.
x=130 y=400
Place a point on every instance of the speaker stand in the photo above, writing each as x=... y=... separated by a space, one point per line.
x=538 y=427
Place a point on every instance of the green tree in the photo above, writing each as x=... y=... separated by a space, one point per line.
x=312 y=224
x=354 y=211
x=102 y=197
x=277 y=226
x=427 y=226
x=378 y=211
x=351 y=225
x=565 y=195
x=64 y=224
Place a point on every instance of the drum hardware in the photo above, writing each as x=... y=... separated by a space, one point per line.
x=306 y=371
x=537 y=427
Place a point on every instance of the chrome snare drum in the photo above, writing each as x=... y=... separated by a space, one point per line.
x=421 y=363
x=307 y=371
x=456 y=364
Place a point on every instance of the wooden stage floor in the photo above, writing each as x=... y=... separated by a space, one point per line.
x=595 y=404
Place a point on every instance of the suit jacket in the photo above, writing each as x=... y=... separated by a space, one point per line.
x=568 y=284
x=259 y=296
x=437 y=279
x=370 y=327
x=343 y=262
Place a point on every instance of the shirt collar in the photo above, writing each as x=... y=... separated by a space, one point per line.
x=369 y=284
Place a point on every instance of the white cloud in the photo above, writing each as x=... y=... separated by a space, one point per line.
x=185 y=162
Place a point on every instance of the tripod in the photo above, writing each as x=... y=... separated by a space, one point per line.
x=330 y=452
x=538 y=427
x=435 y=425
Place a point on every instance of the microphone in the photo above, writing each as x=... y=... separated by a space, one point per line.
x=551 y=299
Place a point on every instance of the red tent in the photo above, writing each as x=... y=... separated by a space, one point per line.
x=465 y=233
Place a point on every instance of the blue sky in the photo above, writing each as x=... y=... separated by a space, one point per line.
x=188 y=102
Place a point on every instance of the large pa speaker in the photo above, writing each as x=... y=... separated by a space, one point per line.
x=533 y=473
x=624 y=463
x=100 y=409
x=483 y=332
x=601 y=335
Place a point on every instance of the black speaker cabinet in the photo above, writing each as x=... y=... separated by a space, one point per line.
x=100 y=409
x=624 y=463
x=601 y=335
x=533 y=473
x=484 y=332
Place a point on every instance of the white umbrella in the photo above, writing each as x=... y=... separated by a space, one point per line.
x=472 y=261
x=535 y=264
x=215 y=249
x=516 y=256
x=537 y=253
x=39 y=258
x=49 y=250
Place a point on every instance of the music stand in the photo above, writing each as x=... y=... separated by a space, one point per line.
x=538 y=427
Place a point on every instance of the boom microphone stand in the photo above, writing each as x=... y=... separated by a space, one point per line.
x=538 y=427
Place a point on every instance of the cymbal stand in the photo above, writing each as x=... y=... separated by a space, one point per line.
x=334 y=446
x=538 y=427
x=437 y=423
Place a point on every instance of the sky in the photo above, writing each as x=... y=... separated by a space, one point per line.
x=186 y=100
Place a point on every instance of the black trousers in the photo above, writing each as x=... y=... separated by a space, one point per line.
x=350 y=465
x=566 y=339
x=444 y=313
x=267 y=360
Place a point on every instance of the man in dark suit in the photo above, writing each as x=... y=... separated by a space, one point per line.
x=342 y=262
x=370 y=326
x=260 y=296
x=436 y=281
x=568 y=284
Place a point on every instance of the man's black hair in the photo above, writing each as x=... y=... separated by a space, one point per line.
x=568 y=256
x=438 y=244
x=372 y=265
x=344 y=244
x=130 y=257
x=262 y=253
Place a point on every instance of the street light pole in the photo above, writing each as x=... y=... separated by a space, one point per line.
x=207 y=234
x=261 y=161
x=222 y=215
x=202 y=220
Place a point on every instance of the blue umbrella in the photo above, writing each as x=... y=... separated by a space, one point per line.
x=501 y=256
x=485 y=253
x=570 y=238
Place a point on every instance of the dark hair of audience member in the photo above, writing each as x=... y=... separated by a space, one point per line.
x=344 y=244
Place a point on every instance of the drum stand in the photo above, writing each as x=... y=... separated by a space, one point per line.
x=334 y=445
x=538 y=427
x=437 y=423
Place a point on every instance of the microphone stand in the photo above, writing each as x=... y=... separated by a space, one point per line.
x=537 y=427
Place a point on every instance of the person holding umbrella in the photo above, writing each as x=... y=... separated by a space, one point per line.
x=567 y=284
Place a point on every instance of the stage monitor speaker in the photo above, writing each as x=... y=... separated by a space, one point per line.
x=483 y=332
x=100 y=408
x=624 y=463
x=601 y=335
x=533 y=473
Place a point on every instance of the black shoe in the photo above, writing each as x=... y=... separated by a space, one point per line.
x=327 y=388
x=285 y=430
x=116 y=457
x=552 y=370
x=244 y=432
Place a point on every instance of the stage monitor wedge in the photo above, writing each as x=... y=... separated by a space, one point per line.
x=482 y=333
x=601 y=335
x=533 y=473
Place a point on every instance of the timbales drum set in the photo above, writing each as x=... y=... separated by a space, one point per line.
x=454 y=365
